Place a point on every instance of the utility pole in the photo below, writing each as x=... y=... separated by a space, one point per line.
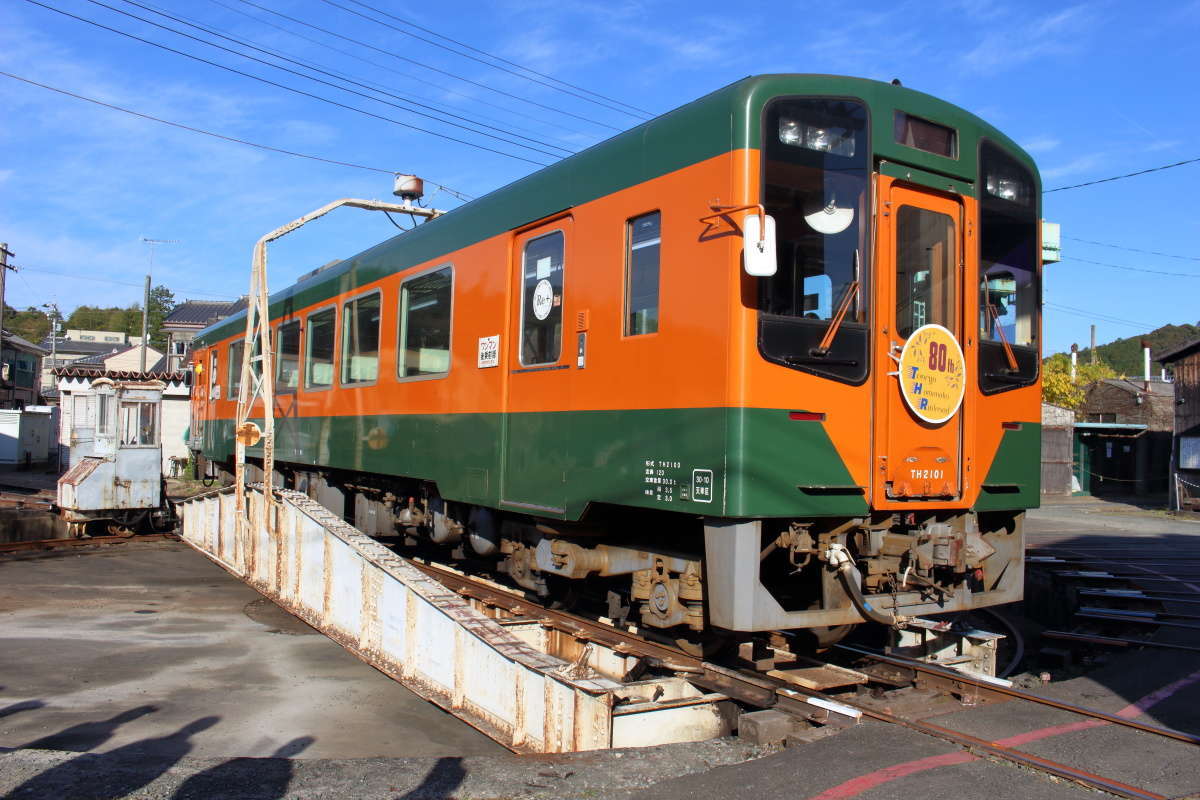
x=145 y=320
x=146 y=301
x=4 y=268
x=1093 y=344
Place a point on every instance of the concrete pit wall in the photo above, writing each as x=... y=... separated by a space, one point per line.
x=414 y=629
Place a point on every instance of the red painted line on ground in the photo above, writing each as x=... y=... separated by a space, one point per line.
x=856 y=786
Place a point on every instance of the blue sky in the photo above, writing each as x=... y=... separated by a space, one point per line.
x=1091 y=90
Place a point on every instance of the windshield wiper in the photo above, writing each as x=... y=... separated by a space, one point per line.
x=998 y=328
x=851 y=293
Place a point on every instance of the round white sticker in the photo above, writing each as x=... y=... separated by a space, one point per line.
x=543 y=299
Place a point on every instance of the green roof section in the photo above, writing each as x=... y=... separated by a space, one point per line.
x=724 y=120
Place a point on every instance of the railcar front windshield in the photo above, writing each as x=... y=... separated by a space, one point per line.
x=816 y=158
x=1008 y=267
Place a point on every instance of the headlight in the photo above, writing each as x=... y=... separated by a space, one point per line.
x=821 y=138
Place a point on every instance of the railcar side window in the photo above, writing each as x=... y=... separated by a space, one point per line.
x=360 y=339
x=287 y=376
x=319 y=349
x=542 y=298
x=425 y=306
x=214 y=382
x=643 y=243
x=235 y=368
x=817 y=155
x=925 y=265
x=1008 y=267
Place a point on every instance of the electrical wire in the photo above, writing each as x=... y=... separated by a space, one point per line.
x=377 y=65
x=412 y=24
x=127 y=283
x=427 y=66
x=1123 y=177
x=318 y=69
x=327 y=83
x=1133 y=249
x=1132 y=269
x=638 y=115
x=1110 y=317
x=294 y=90
x=1095 y=317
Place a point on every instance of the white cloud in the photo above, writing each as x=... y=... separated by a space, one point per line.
x=1075 y=166
x=1040 y=144
x=1063 y=32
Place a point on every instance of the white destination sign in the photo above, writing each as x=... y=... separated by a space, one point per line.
x=489 y=351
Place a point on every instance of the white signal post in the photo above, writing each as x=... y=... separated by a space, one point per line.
x=262 y=386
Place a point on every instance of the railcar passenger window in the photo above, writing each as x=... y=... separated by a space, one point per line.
x=425 y=306
x=319 y=349
x=287 y=376
x=925 y=266
x=235 y=368
x=643 y=242
x=360 y=339
x=542 y=298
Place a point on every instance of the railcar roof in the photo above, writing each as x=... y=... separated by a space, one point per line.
x=724 y=120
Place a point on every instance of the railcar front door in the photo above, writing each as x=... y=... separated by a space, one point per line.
x=537 y=423
x=920 y=368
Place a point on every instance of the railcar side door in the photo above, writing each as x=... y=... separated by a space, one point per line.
x=920 y=367
x=537 y=425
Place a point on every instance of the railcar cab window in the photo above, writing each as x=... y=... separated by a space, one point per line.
x=287 y=371
x=541 y=301
x=1008 y=267
x=139 y=424
x=319 y=349
x=425 y=306
x=236 y=350
x=815 y=178
x=643 y=241
x=360 y=339
x=925 y=266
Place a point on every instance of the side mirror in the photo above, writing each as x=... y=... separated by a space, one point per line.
x=758 y=246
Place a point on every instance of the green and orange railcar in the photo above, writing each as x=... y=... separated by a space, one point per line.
x=769 y=361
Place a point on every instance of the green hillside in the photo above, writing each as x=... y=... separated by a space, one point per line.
x=1125 y=355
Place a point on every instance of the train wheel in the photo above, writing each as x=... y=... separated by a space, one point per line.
x=117 y=529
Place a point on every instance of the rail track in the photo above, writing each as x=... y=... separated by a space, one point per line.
x=761 y=689
x=90 y=541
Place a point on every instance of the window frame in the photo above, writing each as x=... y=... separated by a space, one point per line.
x=306 y=348
x=400 y=330
x=626 y=332
x=121 y=431
x=279 y=387
x=342 y=342
x=561 y=231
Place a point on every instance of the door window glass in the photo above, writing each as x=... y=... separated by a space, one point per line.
x=319 y=350
x=139 y=424
x=360 y=339
x=235 y=368
x=925 y=268
x=641 y=274
x=288 y=369
x=425 y=324
x=542 y=298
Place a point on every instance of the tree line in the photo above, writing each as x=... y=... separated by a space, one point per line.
x=34 y=323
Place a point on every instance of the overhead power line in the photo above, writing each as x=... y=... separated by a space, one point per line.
x=287 y=88
x=1091 y=313
x=447 y=73
x=300 y=62
x=126 y=283
x=638 y=113
x=412 y=24
x=474 y=130
x=1133 y=249
x=1126 y=175
x=223 y=137
x=408 y=76
x=1133 y=269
